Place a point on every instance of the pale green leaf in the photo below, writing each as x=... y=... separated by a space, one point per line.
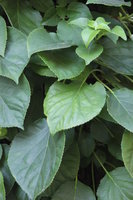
x=3 y=36
x=16 y=56
x=2 y=188
x=118 y=57
x=116 y=3
x=14 y=102
x=119 y=31
x=65 y=64
x=69 y=191
x=88 y=35
x=40 y=156
x=40 y=40
x=127 y=151
x=120 y=107
x=21 y=15
x=117 y=185
x=81 y=22
x=89 y=54
x=67 y=106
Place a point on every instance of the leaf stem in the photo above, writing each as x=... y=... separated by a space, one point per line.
x=93 y=177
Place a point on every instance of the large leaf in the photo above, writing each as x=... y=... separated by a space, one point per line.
x=127 y=151
x=64 y=63
x=14 y=101
x=21 y=15
x=2 y=188
x=16 y=56
x=120 y=107
x=70 y=190
x=40 y=156
x=68 y=169
x=116 y=3
x=67 y=106
x=41 y=40
x=118 y=185
x=118 y=57
x=69 y=33
x=3 y=36
x=8 y=178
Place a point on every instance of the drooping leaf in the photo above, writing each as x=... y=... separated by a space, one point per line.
x=16 y=56
x=70 y=190
x=40 y=156
x=116 y=3
x=89 y=54
x=65 y=64
x=21 y=15
x=118 y=57
x=119 y=31
x=40 y=40
x=14 y=102
x=2 y=188
x=3 y=36
x=127 y=151
x=119 y=105
x=118 y=185
x=67 y=106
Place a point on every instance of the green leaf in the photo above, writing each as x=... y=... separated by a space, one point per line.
x=40 y=156
x=116 y=3
x=16 y=56
x=42 y=70
x=88 y=35
x=69 y=33
x=117 y=185
x=69 y=191
x=78 y=9
x=8 y=178
x=99 y=24
x=2 y=188
x=118 y=57
x=82 y=22
x=1 y=151
x=65 y=64
x=14 y=102
x=67 y=106
x=115 y=149
x=127 y=151
x=118 y=30
x=3 y=36
x=89 y=54
x=68 y=169
x=120 y=107
x=21 y=15
x=40 y=40
x=42 y=5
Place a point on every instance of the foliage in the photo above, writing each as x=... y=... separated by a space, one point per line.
x=66 y=100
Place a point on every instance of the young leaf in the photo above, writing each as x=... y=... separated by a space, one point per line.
x=40 y=156
x=65 y=64
x=3 y=36
x=117 y=185
x=16 y=56
x=14 y=102
x=118 y=57
x=127 y=151
x=21 y=15
x=117 y=30
x=2 y=188
x=88 y=35
x=89 y=54
x=67 y=106
x=120 y=107
x=116 y=3
x=40 y=40
x=69 y=191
